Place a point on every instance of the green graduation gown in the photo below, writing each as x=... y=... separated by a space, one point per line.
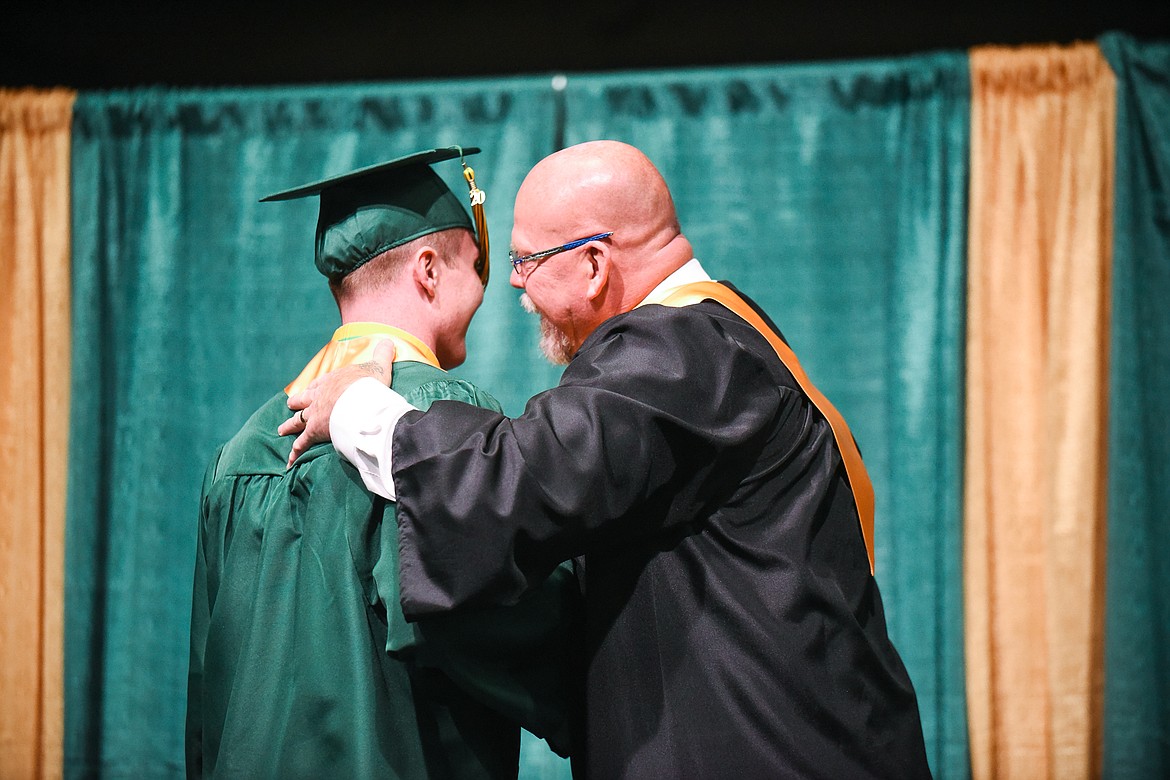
x=302 y=664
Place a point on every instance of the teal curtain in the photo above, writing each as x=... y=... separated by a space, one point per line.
x=835 y=195
x=1137 y=601
x=193 y=303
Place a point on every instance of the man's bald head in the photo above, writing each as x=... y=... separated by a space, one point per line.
x=603 y=186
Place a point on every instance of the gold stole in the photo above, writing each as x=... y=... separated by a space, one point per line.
x=695 y=292
x=354 y=343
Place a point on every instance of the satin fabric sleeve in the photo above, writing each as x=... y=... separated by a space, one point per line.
x=637 y=439
x=200 y=622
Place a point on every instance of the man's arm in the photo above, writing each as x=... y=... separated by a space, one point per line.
x=361 y=426
x=366 y=423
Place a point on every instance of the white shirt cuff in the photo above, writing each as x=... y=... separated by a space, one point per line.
x=362 y=428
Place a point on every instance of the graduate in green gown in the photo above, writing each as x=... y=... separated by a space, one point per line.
x=302 y=664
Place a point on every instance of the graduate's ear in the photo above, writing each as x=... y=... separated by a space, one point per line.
x=600 y=262
x=425 y=271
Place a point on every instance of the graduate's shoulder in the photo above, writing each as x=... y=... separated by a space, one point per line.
x=256 y=446
x=421 y=385
x=257 y=450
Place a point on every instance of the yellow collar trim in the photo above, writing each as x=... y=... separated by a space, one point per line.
x=354 y=343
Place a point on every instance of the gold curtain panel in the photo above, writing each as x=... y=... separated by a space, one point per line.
x=1040 y=233
x=34 y=419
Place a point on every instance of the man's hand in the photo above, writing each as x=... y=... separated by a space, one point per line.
x=314 y=404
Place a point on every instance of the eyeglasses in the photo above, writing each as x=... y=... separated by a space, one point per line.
x=518 y=260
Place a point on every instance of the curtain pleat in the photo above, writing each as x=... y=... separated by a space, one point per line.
x=1042 y=139
x=1137 y=612
x=34 y=383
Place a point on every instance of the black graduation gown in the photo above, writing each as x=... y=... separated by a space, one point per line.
x=733 y=627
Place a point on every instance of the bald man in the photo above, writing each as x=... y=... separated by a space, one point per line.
x=715 y=502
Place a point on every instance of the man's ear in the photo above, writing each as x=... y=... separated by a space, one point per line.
x=600 y=263
x=425 y=270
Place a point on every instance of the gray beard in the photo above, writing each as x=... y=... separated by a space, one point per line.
x=554 y=342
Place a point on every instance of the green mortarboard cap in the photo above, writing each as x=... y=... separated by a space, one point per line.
x=367 y=211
